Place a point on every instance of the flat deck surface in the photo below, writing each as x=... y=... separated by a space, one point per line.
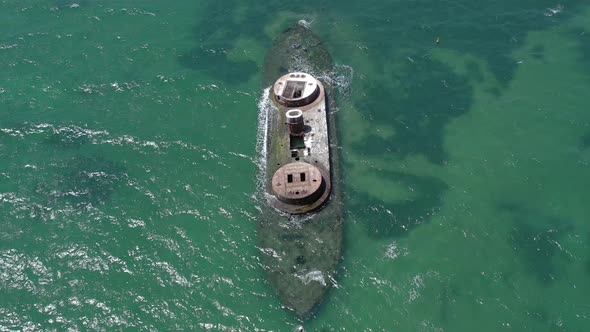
x=316 y=138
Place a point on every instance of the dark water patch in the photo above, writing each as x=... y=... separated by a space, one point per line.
x=474 y=71
x=216 y=64
x=585 y=141
x=446 y=300
x=582 y=36
x=494 y=91
x=545 y=318
x=420 y=103
x=502 y=27
x=535 y=239
x=298 y=48
x=65 y=142
x=218 y=33
x=81 y=181
x=384 y=219
x=539 y=313
x=538 y=52
x=69 y=137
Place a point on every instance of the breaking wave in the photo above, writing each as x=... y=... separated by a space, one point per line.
x=264 y=108
x=313 y=276
x=340 y=79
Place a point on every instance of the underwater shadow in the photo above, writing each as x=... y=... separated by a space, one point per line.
x=535 y=239
x=489 y=30
x=583 y=40
x=81 y=182
x=419 y=103
x=218 y=66
x=585 y=142
x=216 y=33
x=67 y=137
x=384 y=220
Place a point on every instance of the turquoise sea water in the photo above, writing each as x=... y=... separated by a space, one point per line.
x=128 y=165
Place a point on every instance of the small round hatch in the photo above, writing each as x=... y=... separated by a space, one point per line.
x=296 y=89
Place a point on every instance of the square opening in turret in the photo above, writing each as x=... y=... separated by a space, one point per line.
x=293 y=89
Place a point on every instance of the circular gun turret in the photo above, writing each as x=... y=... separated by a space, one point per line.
x=298 y=183
x=297 y=90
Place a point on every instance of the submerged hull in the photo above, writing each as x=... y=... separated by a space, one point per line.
x=300 y=239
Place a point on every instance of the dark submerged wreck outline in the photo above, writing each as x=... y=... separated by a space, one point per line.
x=301 y=247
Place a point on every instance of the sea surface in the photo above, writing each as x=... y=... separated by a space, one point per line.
x=129 y=164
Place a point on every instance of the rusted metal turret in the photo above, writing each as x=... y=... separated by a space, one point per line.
x=296 y=89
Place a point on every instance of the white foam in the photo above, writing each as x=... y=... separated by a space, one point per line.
x=315 y=275
x=552 y=11
x=339 y=78
x=393 y=251
x=264 y=109
x=304 y=23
